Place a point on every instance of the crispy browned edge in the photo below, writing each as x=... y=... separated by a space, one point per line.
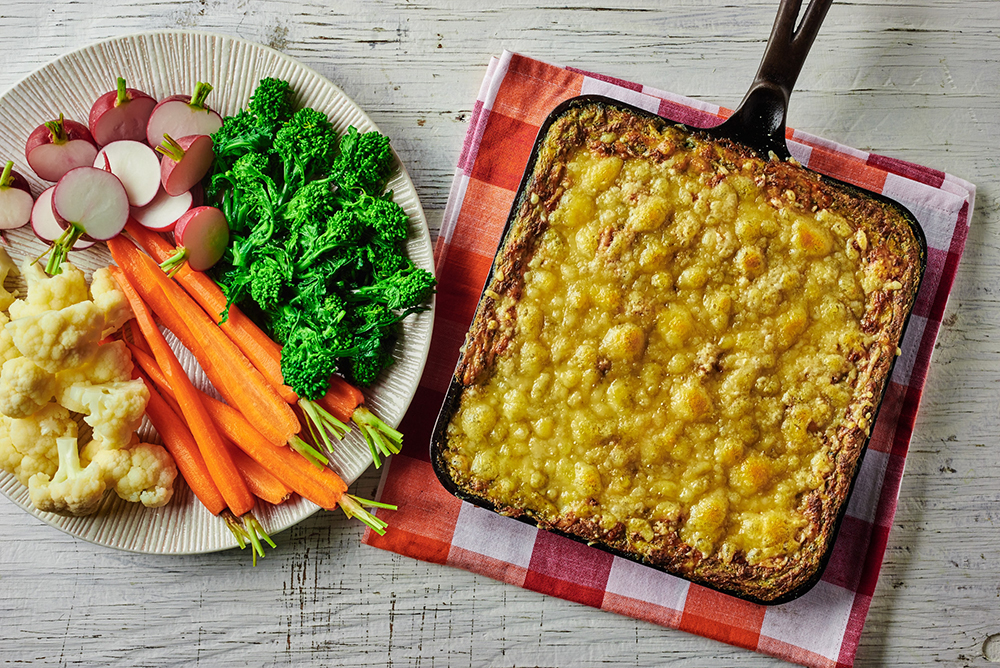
x=891 y=241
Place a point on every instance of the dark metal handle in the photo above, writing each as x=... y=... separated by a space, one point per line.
x=759 y=121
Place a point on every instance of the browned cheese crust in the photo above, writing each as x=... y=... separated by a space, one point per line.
x=670 y=533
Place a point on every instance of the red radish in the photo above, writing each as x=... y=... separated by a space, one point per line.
x=15 y=199
x=44 y=223
x=136 y=165
x=164 y=211
x=86 y=201
x=185 y=162
x=202 y=235
x=58 y=146
x=183 y=115
x=120 y=114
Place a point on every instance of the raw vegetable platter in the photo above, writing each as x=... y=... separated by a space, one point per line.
x=162 y=64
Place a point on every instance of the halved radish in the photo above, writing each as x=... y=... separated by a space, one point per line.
x=164 y=211
x=55 y=147
x=202 y=235
x=136 y=165
x=43 y=221
x=120 y=114
x=86 y=201
x=15 y=199
x=185 y=162
x=183 y=115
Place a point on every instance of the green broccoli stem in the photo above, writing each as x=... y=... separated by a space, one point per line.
x=176 y=260
x=381 y=438
x=57 y=128
x=61 y=247
x=6 y=178
x=352 y=507
x=201 y=91
x=122 y=93
x=170 y=148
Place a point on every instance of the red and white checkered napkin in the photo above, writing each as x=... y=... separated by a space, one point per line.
x=821 y=628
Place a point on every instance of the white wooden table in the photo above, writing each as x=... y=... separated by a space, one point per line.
x=912 y=79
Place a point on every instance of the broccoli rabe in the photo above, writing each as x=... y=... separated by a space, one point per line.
x=363 y=163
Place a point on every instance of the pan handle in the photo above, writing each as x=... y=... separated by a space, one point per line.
x=759 y=121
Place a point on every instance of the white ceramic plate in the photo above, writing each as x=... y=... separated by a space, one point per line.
x=161 y=64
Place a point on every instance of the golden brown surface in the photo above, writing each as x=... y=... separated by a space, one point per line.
x=681 y=351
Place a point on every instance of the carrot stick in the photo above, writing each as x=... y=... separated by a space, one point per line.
x=220 y=465
x=320 y=485
x=179 y=442
x=260 y=481
x=230 y=371
x=254 y=342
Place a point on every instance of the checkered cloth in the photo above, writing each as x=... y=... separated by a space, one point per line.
x=821 y=628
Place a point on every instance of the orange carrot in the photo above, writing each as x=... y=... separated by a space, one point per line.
x=220 y=465
x=255 y=344
x=262 y=484
x=179 y=442
x=230 y=371
x=320 y=485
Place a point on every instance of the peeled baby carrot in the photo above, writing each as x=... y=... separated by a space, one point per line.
x=220 y=465
x=229 y=370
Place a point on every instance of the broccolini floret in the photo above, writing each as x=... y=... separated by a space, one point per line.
x=363 y=163
x=307 y=145
x=271 y=103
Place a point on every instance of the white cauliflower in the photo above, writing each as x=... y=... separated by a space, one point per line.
x=28 y=446
x=8 y=350
x=108 y=297
x=141 y=473
x=49 y=293
x=74 y=489
x=24 y=387
x=7 y=268
x=113 y=409
x=57 y=340
x=111 y=362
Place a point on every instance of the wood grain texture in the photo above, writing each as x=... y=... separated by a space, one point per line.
x=917 y=80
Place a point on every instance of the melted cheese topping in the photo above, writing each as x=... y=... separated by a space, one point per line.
x=682 y=356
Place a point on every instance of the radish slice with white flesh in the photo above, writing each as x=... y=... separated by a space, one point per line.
x=15 y=199
x=202 y=235
x=136 y=165
x=164 y=211
x=55 y=147
x=86 y=201
x=185 y=162
x=183 y=115
x=44 y=224
x=120 y=114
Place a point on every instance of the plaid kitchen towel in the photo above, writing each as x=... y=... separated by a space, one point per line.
x=821 y=628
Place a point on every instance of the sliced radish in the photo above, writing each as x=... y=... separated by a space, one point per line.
x=183 y=115
x=164 y=211
x=44 y=224
x=202 y=235
x=185 y=162
x=15 y=199
x=86 y=201
x=55 y=147
x=120 y=114
x=136 y=165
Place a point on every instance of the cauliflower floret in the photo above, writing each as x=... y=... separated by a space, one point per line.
x=111 y=300
x=49 y=293
x=24 y=387
x=57 y=340
x=141 y=473
x=7 y=268
x=28 y=446
x=74 y=489
x=8 y=350
x=112 y=362
x=113 y=409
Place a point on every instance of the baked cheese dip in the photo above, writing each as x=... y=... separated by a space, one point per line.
x=681 y=351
